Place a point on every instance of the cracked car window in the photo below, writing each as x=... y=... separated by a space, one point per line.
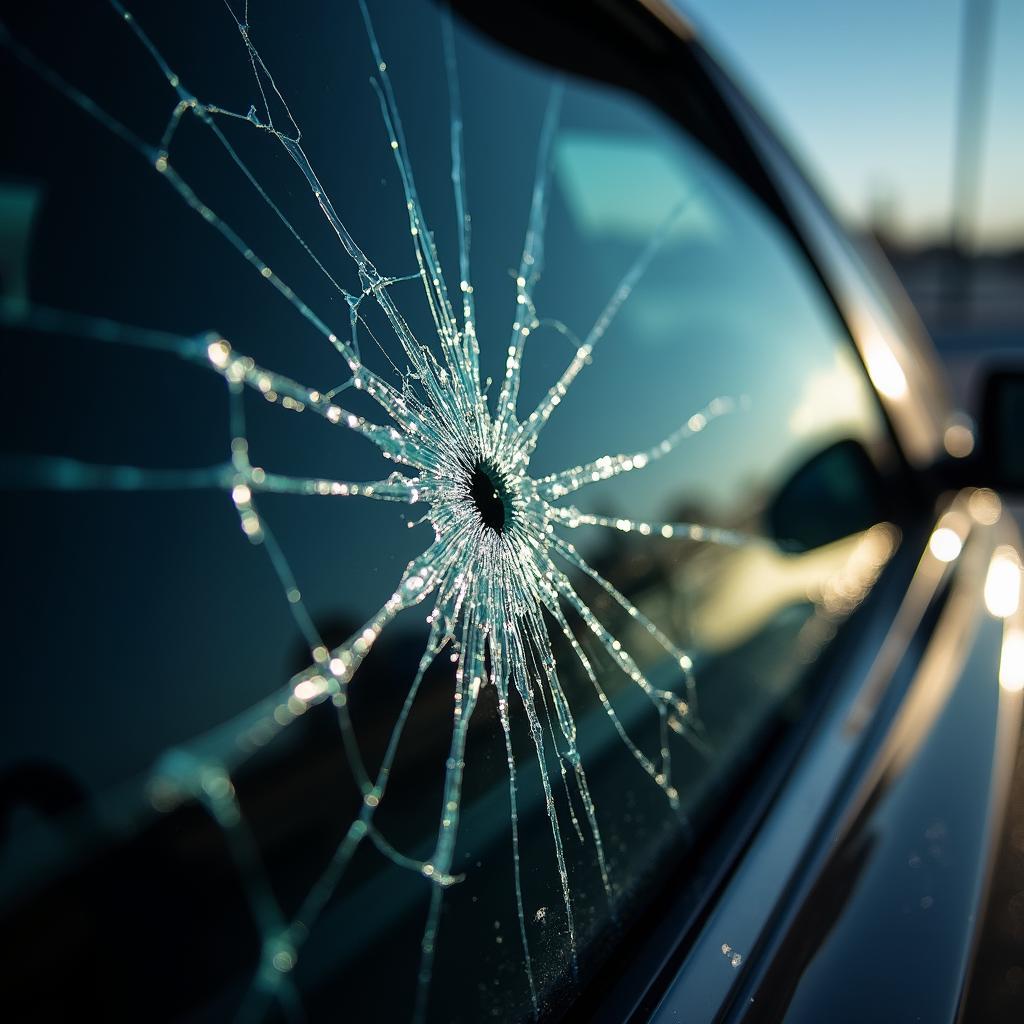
x=433 y=475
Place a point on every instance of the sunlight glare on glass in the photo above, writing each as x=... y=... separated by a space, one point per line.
x=1002 y=584
x=945 y=544
x=884 y=369
x=1011 y=661
x=958 y=439
x=985 y=506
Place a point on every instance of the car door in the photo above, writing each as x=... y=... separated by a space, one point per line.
x=458 y=501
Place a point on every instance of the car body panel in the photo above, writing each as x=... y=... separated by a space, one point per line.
x=858 y=897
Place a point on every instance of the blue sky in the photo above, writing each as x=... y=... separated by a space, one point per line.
x=866 y=92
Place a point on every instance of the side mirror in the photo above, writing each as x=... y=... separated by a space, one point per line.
x=835 y=493
x=1002 y=430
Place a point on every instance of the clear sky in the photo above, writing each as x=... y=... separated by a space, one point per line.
x=866 y=92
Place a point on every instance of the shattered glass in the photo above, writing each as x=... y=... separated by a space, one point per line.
x=424 y=746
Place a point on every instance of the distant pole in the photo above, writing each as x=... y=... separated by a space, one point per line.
x=972 y=94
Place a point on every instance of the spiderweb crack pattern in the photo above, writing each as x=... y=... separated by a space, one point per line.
x=495 y=578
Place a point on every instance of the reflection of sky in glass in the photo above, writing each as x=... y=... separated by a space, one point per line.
x=593 y=170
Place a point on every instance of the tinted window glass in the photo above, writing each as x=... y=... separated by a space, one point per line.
x=231 y=775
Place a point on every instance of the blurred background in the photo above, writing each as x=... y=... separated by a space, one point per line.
x=909 y=116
